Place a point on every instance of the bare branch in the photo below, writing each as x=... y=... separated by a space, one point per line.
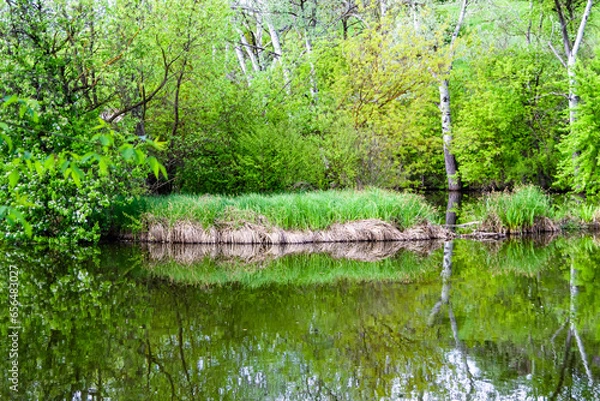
x=461 y=18
x=558 y=56
x=563 y=28
x=146 y=99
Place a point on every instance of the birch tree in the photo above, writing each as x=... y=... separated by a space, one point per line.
x=568 y=19
x=454 y=183
x=571 y=42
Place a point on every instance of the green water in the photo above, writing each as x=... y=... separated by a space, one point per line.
x=510 y=320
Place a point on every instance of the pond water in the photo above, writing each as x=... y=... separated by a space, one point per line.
x=461 y=320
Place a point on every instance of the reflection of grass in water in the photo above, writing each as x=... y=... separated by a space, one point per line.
x=300 y=270
x=522 y=256
x=312 y=210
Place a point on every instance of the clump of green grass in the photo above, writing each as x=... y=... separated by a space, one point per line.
x=517 y=211
x=574 y=213
x=303 y=211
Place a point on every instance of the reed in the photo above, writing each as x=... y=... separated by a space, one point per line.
x=290 y=211
x=526 y=209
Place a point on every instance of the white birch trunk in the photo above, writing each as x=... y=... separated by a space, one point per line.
x=454 y=183
x=250 y=53
x=240 y=56
x=569 y=61
x=313 y=82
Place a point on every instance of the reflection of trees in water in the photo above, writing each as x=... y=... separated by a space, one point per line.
x=454 y=199
x=90 y=326
x=572 y=330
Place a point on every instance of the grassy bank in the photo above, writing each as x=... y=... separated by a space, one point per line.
x=529 y=209
x=293 y=211
x=337 y=216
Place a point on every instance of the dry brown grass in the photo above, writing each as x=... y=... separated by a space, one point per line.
x=252 y=233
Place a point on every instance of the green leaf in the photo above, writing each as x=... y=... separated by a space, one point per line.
x=157 y=144
x=77 y=174
x=103 y=163
x=104 y=139
x=88 y=156
x=6 y=139
x=154 y=165
x=139 y=156
x=163 y=170
x=64 y=166
x=13 y=178
x=39 y=168
x=49 y=163
x=14 y=216
x=8 y=100
x=22 y=110
x=127 y=151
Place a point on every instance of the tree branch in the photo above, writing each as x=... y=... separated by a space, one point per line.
x=148 y=98
x=558 y=56
x=584 y=19
x=563 y=28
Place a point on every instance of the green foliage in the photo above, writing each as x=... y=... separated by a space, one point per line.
x=277 y=159
x=580 y=164
x=507 y=127
x=379 y=87
x=57 y=194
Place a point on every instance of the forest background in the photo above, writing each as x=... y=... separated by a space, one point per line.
x=105 y=100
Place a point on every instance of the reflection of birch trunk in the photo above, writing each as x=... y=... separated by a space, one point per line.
x=563 y=367
x=454 y=198
x=573 y=326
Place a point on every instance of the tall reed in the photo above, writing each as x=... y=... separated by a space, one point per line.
x=310 y=211
x=516 y=211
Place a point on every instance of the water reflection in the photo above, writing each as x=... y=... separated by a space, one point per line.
x=509 y=320
x=252 y=253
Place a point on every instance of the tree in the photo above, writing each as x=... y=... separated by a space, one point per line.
x=578 y=165
x=571 y=41
x=64 y=168
x=454 y=183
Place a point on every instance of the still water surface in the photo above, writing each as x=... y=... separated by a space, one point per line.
x=462 y=320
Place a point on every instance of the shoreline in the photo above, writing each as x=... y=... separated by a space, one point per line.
x=361 y=231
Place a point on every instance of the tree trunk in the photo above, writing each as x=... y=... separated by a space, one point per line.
x=314 y=91
x=250 y=53
x=454 y=183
